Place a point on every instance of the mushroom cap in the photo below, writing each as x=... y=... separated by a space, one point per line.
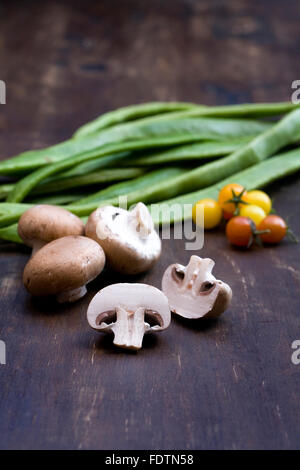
x=128 y=238
x=192 y=290
x=63 y=265
x=129 y=297
x=44 y=223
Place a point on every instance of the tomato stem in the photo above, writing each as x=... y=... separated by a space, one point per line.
x=291 y=235
x=237 y=200
x=256 y=234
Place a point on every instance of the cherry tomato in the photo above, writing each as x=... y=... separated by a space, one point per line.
x=255 y=213
x=212 y=212
x=259 y=198
x=277 y=227
x=227 y=215
x=231 y=192
x=239 y=231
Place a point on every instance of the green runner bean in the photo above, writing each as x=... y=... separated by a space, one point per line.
x=130 y=113
x=195 y=151
x=187 y=129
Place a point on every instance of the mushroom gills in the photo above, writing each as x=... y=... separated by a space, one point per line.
x=106 y=317
x=207 y=287
x=178 y=273
x=153 y=318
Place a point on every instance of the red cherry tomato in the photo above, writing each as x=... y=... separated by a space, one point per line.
x=227 y=215
x=239 y=231
x=277 y=229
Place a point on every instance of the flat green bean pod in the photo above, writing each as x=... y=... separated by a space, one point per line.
x=93 y=165
x=149 y=180
x=10 y=233
x=130 y=113
x=56 y=199
x=248 y=110
x=185 y=129
x=10 y=212
x=97 y=177
x=195 y=151
x=266 y=144
x=5 y=189
x=213 y=126
x=163 y=111
x=63 y=183
x=253 y=110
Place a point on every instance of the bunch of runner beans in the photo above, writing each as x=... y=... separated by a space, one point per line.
x=247 y=215
x=175 y=153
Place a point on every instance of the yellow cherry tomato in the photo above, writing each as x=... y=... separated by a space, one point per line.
x=259 y=198
x=212 y=212
x=231 y=192
x=255 y=213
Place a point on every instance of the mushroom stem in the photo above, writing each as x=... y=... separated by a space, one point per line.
x=142 y=219
x=129 y=328
x=37 y=245
x=71 y=295
x=196 y=273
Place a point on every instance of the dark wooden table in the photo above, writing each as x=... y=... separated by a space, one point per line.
x=223 y=385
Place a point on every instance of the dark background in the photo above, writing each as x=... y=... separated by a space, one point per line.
x=223 y=385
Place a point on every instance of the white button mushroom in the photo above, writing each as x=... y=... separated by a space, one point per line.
x=128 y=238
x=43 y=223
x=63 y=268
x=193 y=291
x=129 y=311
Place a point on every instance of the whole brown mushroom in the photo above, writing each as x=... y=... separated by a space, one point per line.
x=43 y=223
x=63 y=267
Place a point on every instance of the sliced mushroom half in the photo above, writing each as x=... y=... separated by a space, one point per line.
x=129 y=311
x=193 y=291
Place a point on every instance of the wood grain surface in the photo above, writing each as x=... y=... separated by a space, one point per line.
x=228 y=384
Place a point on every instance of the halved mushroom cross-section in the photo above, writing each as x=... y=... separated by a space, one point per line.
x=129 y=311
x=193 y=291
